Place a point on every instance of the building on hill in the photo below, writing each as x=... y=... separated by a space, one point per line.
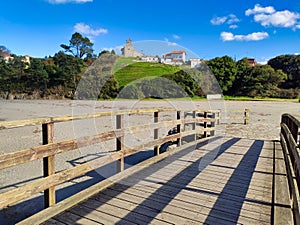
x=7 y=57
x=155 y=59
x=174 y=58
x=252 y=61
x=129 y=51
x=195 y=62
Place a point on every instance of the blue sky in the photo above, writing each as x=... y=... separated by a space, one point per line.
x=259 y=28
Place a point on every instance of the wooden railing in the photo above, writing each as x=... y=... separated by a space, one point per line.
x=202 y=124
x=238 y=116
x=289 y=137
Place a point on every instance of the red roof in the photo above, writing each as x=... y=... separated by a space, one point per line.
x=175 y=52
x=178 y=52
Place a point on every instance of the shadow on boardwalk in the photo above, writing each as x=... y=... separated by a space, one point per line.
x=157 y=201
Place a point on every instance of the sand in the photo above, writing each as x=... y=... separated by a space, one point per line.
x=264 y=124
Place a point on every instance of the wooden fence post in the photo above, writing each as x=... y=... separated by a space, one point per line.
x=120 y=142
x=195 y=125
x=48 y=164
x=156 y=132
x=213 y=124
x=179 y=128
x=219 y=117
x=246 y=116
x=205 y=125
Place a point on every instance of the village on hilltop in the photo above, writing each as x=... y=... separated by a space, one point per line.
x=175 y=58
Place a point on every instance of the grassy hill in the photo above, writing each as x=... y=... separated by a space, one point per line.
x=128 y=71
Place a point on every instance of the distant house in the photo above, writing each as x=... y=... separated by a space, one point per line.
x=7 y=57
x=155 y=59
x=174 y=58
x=26 y=60
x=129 y=51
x=195 y=62
x=252 y=61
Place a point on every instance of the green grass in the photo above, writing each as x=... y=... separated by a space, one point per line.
x=122 y=62
x=138 y=70
x=245 y=98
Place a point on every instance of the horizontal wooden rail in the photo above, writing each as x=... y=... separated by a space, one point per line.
x=236 y=115
x=203 y=125
x=45 y=120
x=289 y=138
x=39 y=152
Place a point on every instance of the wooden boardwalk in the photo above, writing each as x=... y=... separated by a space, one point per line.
x=219 y=181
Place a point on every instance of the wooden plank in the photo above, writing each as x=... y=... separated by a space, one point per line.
x=39 y=152
x=35 y=153
x=290 y=177
x=212 y=185
x=120 y=212
x=282 y=203
x=27 y=190
x=72 y=218
x=187 y=195
x=84 y=194
x=98 y=216
x=44 y=120
x=179 y=209
x=208 y=180
x=150 y=212
x=53 y=222
x=191 y=201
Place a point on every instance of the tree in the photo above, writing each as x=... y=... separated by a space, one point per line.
x=37 y=74
x=102 y=53
x=261 y=81
x=185 y=81
x=225 y=70
x=79 y=46
x=242 y=67
x=69 y=69
x=289 y=64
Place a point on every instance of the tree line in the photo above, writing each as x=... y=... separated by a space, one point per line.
x=60 y=74
x=279 y=78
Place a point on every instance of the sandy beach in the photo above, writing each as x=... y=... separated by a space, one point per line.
x=264 y=124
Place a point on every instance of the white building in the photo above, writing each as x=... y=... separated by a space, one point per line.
x=174 y=58
x=150 y=59
x=195 y=62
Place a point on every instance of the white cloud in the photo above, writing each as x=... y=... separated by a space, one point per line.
x=175 y=36
x=68 y=1
x=256 y=36
x=218 y=20
x=268 y=16
x=227 y=36
x=258 y=9
x=232 y=19
x=279 y=19
x=233 y=26
x=88 y=30
x=170 y=43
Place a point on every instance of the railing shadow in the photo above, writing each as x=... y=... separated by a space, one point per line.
x=22 y=210
x=194 y=169
x=246 y=167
